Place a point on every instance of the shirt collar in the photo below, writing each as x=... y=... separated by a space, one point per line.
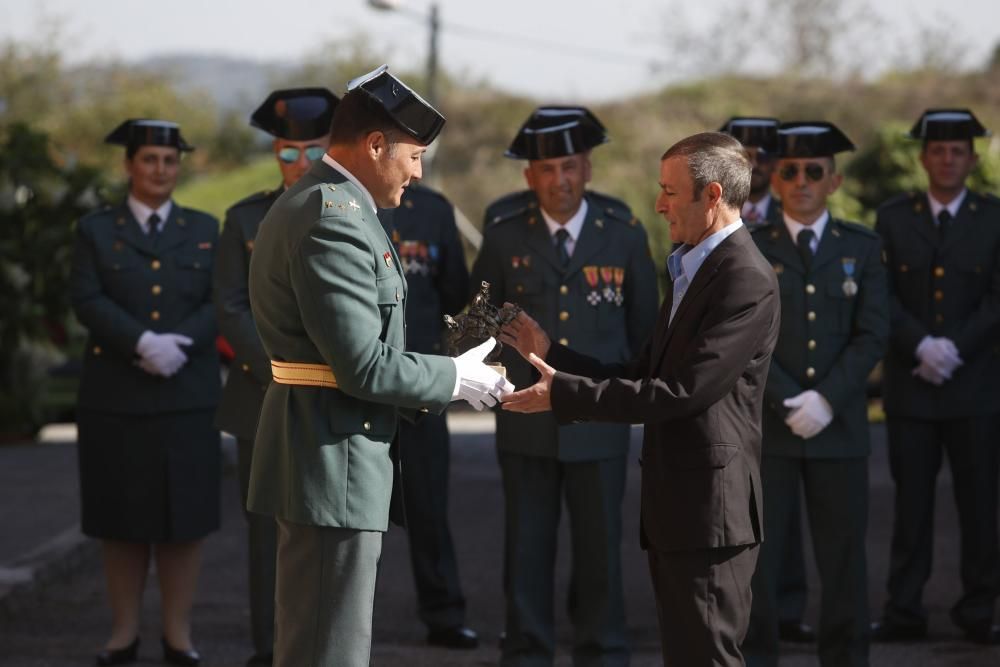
x=349 y=176
x=574 y=225
x=794 y=226
x=686 y=260
x=141 y=212
x=952 y=206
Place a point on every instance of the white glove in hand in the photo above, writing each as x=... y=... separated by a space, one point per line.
x=811 y=414
x=478 y=384
x=928 y=373
x=941 y=355
x=161 y=353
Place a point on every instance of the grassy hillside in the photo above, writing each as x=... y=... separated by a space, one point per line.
x=215 y=192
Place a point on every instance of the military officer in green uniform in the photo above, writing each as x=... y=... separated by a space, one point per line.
x=834 y=327
x=328 y=294
x=299 y=120
x=426 y=239
x=149 y=455
x=578 y=262
x=759 y=135
x=942 y=376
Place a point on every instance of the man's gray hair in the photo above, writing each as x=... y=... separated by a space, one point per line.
x=713 y=157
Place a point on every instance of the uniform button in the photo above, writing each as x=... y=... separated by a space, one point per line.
x=939 y=272
x=155 y=315
x=810 y=372
x=810 y=289
x=97 y=350
x=246 y=368
x=811 y=345
x=425 y=410
x=156 y=289
x=563 y=289
x=367 y=426
x=939 y=318
x=811 y=316
x=563 y=316
x=397 y=295
x=155 y=265
x=564 y=341
x=197 y=265
x=519 y=289
x=938 y=295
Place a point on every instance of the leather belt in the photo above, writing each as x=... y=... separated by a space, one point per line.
x=302 y=374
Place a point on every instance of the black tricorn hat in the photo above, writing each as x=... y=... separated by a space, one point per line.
x=755 y=131
x=414 y=115
x=948 y=125
x=813 y=138
x=148 y=132
x=557 y=131
x=297 y=114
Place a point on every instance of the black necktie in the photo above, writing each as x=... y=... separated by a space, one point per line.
x=561 y=237
x=804 y=243
x=944 y=224
x=153 y=222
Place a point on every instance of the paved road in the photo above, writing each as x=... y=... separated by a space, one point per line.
x=67 y=621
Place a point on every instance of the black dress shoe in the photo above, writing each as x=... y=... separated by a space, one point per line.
x=178 y=657
x=119 y=656
x=457 y=637
x=980 y=633
x=799 y=633
x=883 y=631
x=261 y=659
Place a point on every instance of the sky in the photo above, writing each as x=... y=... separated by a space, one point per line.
x=559 y=50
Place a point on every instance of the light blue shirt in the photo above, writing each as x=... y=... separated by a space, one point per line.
x=683 y=263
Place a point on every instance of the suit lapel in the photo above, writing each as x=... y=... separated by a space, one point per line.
x=129 y=231
x=962 y=224
x=778 y=246
x=923 y=222
x=590 y=242
x=541 y=242
x=830 y=245
x=706 y=273
x=175 y=230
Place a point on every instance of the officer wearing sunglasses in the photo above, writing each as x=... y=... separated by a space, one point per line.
x=834 y=329
x=299 y=120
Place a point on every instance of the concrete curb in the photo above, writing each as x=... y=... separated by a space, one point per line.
x=48 y=563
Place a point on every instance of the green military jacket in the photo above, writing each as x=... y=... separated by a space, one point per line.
x=250 y=371
x=834 y=329
x=603 y=304
x=326 y=287
x=949 y=289
x=121 y=285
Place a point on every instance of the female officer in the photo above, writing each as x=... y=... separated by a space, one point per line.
x=149 y=455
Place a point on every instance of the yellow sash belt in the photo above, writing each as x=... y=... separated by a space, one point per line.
x=307 y=375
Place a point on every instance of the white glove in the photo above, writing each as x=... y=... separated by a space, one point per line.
x=928 y=373
x=478 y=384
x=161 y=353
x=940 y=354
x=811 y=415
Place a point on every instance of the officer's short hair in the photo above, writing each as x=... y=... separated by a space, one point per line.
x=358 y=115
x=713 y=157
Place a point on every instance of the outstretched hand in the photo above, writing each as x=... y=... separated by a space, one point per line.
x=537 y=397
x=526 y=336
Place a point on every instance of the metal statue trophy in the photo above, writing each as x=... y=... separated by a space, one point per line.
x=478 y=323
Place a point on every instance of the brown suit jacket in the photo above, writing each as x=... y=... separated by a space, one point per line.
x=698 y=387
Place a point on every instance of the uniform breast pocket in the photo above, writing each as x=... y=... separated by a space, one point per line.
x=122 y=278
x=194 y=275
x=526 y=290
x=390 y=300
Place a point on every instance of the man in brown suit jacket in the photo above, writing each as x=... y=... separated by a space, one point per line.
x=698 y=387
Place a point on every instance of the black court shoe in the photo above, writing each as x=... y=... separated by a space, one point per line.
x=119 y=656
x=175 y=656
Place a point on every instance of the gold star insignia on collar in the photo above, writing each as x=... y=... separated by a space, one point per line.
x=353 y=204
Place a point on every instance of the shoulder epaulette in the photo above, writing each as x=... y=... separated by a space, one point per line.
x=908 y=199
x=855 y=227
x=252 y=199
x=612 y=207
x=510 y=206
x=196 y=215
